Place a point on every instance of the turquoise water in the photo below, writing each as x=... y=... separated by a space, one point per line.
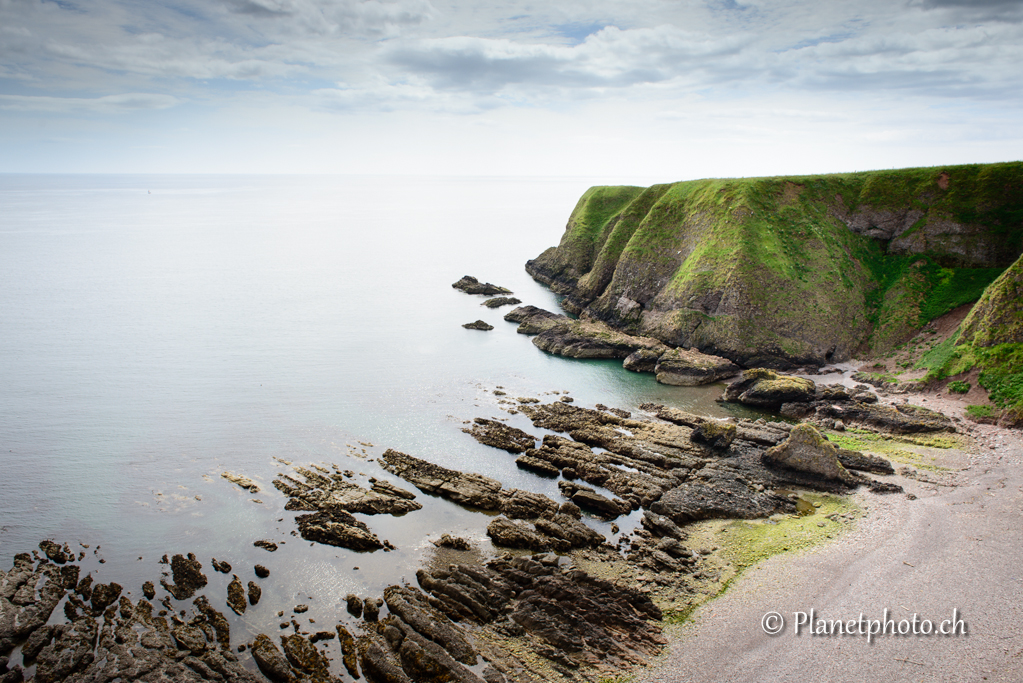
x=159 y=330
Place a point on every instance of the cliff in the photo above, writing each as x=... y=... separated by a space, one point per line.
x=788 y=271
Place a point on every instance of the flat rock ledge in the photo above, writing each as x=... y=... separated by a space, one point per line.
x=561 y=335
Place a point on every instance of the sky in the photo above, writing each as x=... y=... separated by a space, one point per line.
x=659 y=89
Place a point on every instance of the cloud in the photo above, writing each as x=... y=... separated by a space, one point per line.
x=978 y=10
x=107 y=104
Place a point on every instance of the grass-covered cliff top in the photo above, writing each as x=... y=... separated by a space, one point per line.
x=789 y=269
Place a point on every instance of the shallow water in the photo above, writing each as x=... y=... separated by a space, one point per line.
x=159 y=330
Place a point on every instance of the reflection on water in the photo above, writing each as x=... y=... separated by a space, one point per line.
x=152 y=341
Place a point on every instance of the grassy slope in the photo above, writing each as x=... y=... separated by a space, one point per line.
x=990 y=339
x=768 y=263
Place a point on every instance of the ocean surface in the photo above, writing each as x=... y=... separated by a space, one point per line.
x=156 y=331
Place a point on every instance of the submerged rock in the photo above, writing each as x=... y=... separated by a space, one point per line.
x=243 y=482
x=471 y=285
x=464 y=488
x=330 y=490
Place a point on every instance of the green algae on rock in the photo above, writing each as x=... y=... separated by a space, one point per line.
x=788 y=271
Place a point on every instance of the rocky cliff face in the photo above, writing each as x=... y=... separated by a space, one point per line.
x=788 y=271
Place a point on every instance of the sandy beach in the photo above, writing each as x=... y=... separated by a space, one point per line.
x=956 y=546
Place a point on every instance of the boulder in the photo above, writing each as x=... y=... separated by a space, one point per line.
x=689 y=367
x=642 y=360
x=806 y=450
x=718 y=435
x=768 y=389
x=478 y=325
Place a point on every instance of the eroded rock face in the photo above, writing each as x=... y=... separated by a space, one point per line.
x=471 y=285
x=718 y=491
x=533 y=320
x=689 y=367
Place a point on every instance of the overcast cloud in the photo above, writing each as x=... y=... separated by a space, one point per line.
x=279 y=73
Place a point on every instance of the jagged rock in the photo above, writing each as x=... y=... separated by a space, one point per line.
x=148 y=590
x=717 y=435
x=104 y=595
x=189 y=638
x=661 y=525
x=236 y=595
x=354 y=605
x=389 y=489
x=588 y=499
x=414 y=610
x=222 y=567
x=39 y=639
x=261 y=571
x=454 y=542
x=536 y=465
x=768 y=389
x=510 y=534
x=642 y=360
x=244 y=482
x=591 y=339
x=255 y=593
x=519 y=504
x=533 y=320
x=337 y=528
x=371 y=609
x=478 y=325
x=319 y=491
x=467 y=489
x=501 y=301
x=500 y=435
x=269 y=546
x=471 y=285
x=567 y=532
x=188 y=577
x=689 y=367
x=349 y=654
x=379 y=663
x=270 y=660
x=305 y=658
x=56 y=554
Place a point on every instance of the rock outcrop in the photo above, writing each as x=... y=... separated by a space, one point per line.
x=471 y=285
x=481 y=325
x=689 y=368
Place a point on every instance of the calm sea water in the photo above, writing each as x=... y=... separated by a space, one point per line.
x=156 y=331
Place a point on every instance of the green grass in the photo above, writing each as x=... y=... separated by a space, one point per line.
x=958 y=387
x=980 y=411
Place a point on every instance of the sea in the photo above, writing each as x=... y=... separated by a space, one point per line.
x=157 y=331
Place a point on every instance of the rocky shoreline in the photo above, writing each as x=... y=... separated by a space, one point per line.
x=531 y=613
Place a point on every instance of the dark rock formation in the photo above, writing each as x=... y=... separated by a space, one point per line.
x=330 y=490
x=471 y=285
x=337 y=528
x=453 y=542
x=269 y=546
x=188 y=577
x=261 y=571
x=222 y=567
x=689 y=367
x=500 y=435
x=642 y=360
x=533 y=320
x=478 y=325
x=501 y=301
x=236 y=595
x=255 y=593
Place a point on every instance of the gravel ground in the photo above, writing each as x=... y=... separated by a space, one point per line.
x=957 y=546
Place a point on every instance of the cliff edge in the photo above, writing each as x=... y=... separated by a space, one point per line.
x=788 y=271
